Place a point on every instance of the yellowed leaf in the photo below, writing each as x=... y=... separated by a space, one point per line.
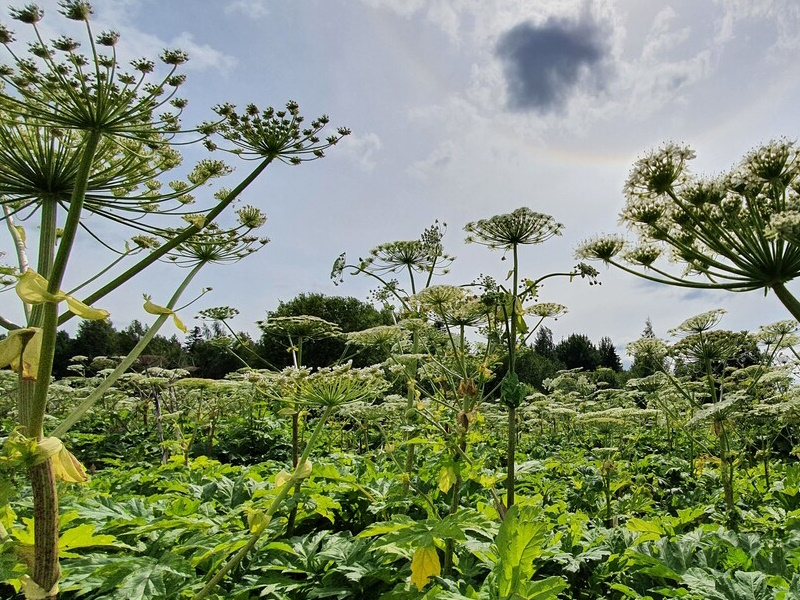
x=21 y=233
x=32 y=288
x=447 y=478
x=68 y=468
x=85 y=311
x=282 y=478
x=178 y=323
x=47 y=448
x=33 y=591
x=305 y=469
x=425 y=565
x=155 y=309
x=10 y=348
x=257 y=521
x=28 y=363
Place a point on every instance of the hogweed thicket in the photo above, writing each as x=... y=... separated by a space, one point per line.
x=82 y=135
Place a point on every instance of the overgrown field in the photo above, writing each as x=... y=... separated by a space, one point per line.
x=655 y=489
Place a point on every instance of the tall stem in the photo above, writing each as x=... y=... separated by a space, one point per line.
x=173 y=242
x=512 y=369
x=126 y=363
x=787 y=299
x=49 y=323
x=46 y=571
x=273 y=507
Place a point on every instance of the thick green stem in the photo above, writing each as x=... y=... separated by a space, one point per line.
x=54 y=276
x=46 y=570
x=297 y=476
x=172 y=243
x=411 y=396
x=787 y=299
x=512 y=450
x=512 y=410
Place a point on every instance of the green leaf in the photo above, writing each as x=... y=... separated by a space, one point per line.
x=649 y=530
x=544 y=589
x=83 y=536
x=629 y=592
x=447 y=477
x=325 y=506
x=519 y=542
x=398 y=523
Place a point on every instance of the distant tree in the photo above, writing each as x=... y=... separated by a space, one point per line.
x=578 y=351
x=608 y=355
x=130 y=336
x=543 y=343
x=349 y=313
x=210 y=353
x=163 y=352
x=648 y=329
x=63 y=354
x=95 y=338
x=533 y=368
x=643 y=366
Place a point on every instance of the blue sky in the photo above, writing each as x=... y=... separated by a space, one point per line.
x=461 y=110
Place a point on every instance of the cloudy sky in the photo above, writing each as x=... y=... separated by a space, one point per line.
x=461 y=110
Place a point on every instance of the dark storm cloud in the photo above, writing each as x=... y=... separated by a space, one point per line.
x=543 y=63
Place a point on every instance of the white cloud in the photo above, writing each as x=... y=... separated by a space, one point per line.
x=437 y=161
x=202 y=56
x=254 y=9
x=360 y=149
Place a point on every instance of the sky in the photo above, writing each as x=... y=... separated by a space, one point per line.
x=461 y=110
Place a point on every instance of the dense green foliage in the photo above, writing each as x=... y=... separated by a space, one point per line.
x=443 y=448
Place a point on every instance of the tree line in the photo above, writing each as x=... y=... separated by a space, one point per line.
x=212 y=349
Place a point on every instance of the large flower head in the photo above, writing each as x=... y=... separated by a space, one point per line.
x=256 y=134
x=454 y=305
x=214 y=244
x=301 y=326
x=659 y=171
x=523 y=226
x=58 y=86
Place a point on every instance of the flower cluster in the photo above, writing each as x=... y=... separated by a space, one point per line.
x=380 y=336
x=523 y=226
x=659 y=172
x=213 y=244
x=272 y=134
x=336 y=386
x=302 y=326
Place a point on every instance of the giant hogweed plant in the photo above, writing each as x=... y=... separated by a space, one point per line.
x=81 y=135
x=736 y=232
x=509 y=233
x=420 y=261
x=726 y=398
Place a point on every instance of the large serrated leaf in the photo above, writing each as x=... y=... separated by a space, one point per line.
x=519 y=542
x=425 y=565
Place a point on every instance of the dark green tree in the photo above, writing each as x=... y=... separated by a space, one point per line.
x=646 y=365
x=349 y=313
x=95 y=338
x=130 y=336
x=608 y=355
x=543 y=343
x=211 y=354
x=578 y=351
x=533 y=368
x=63 y=354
